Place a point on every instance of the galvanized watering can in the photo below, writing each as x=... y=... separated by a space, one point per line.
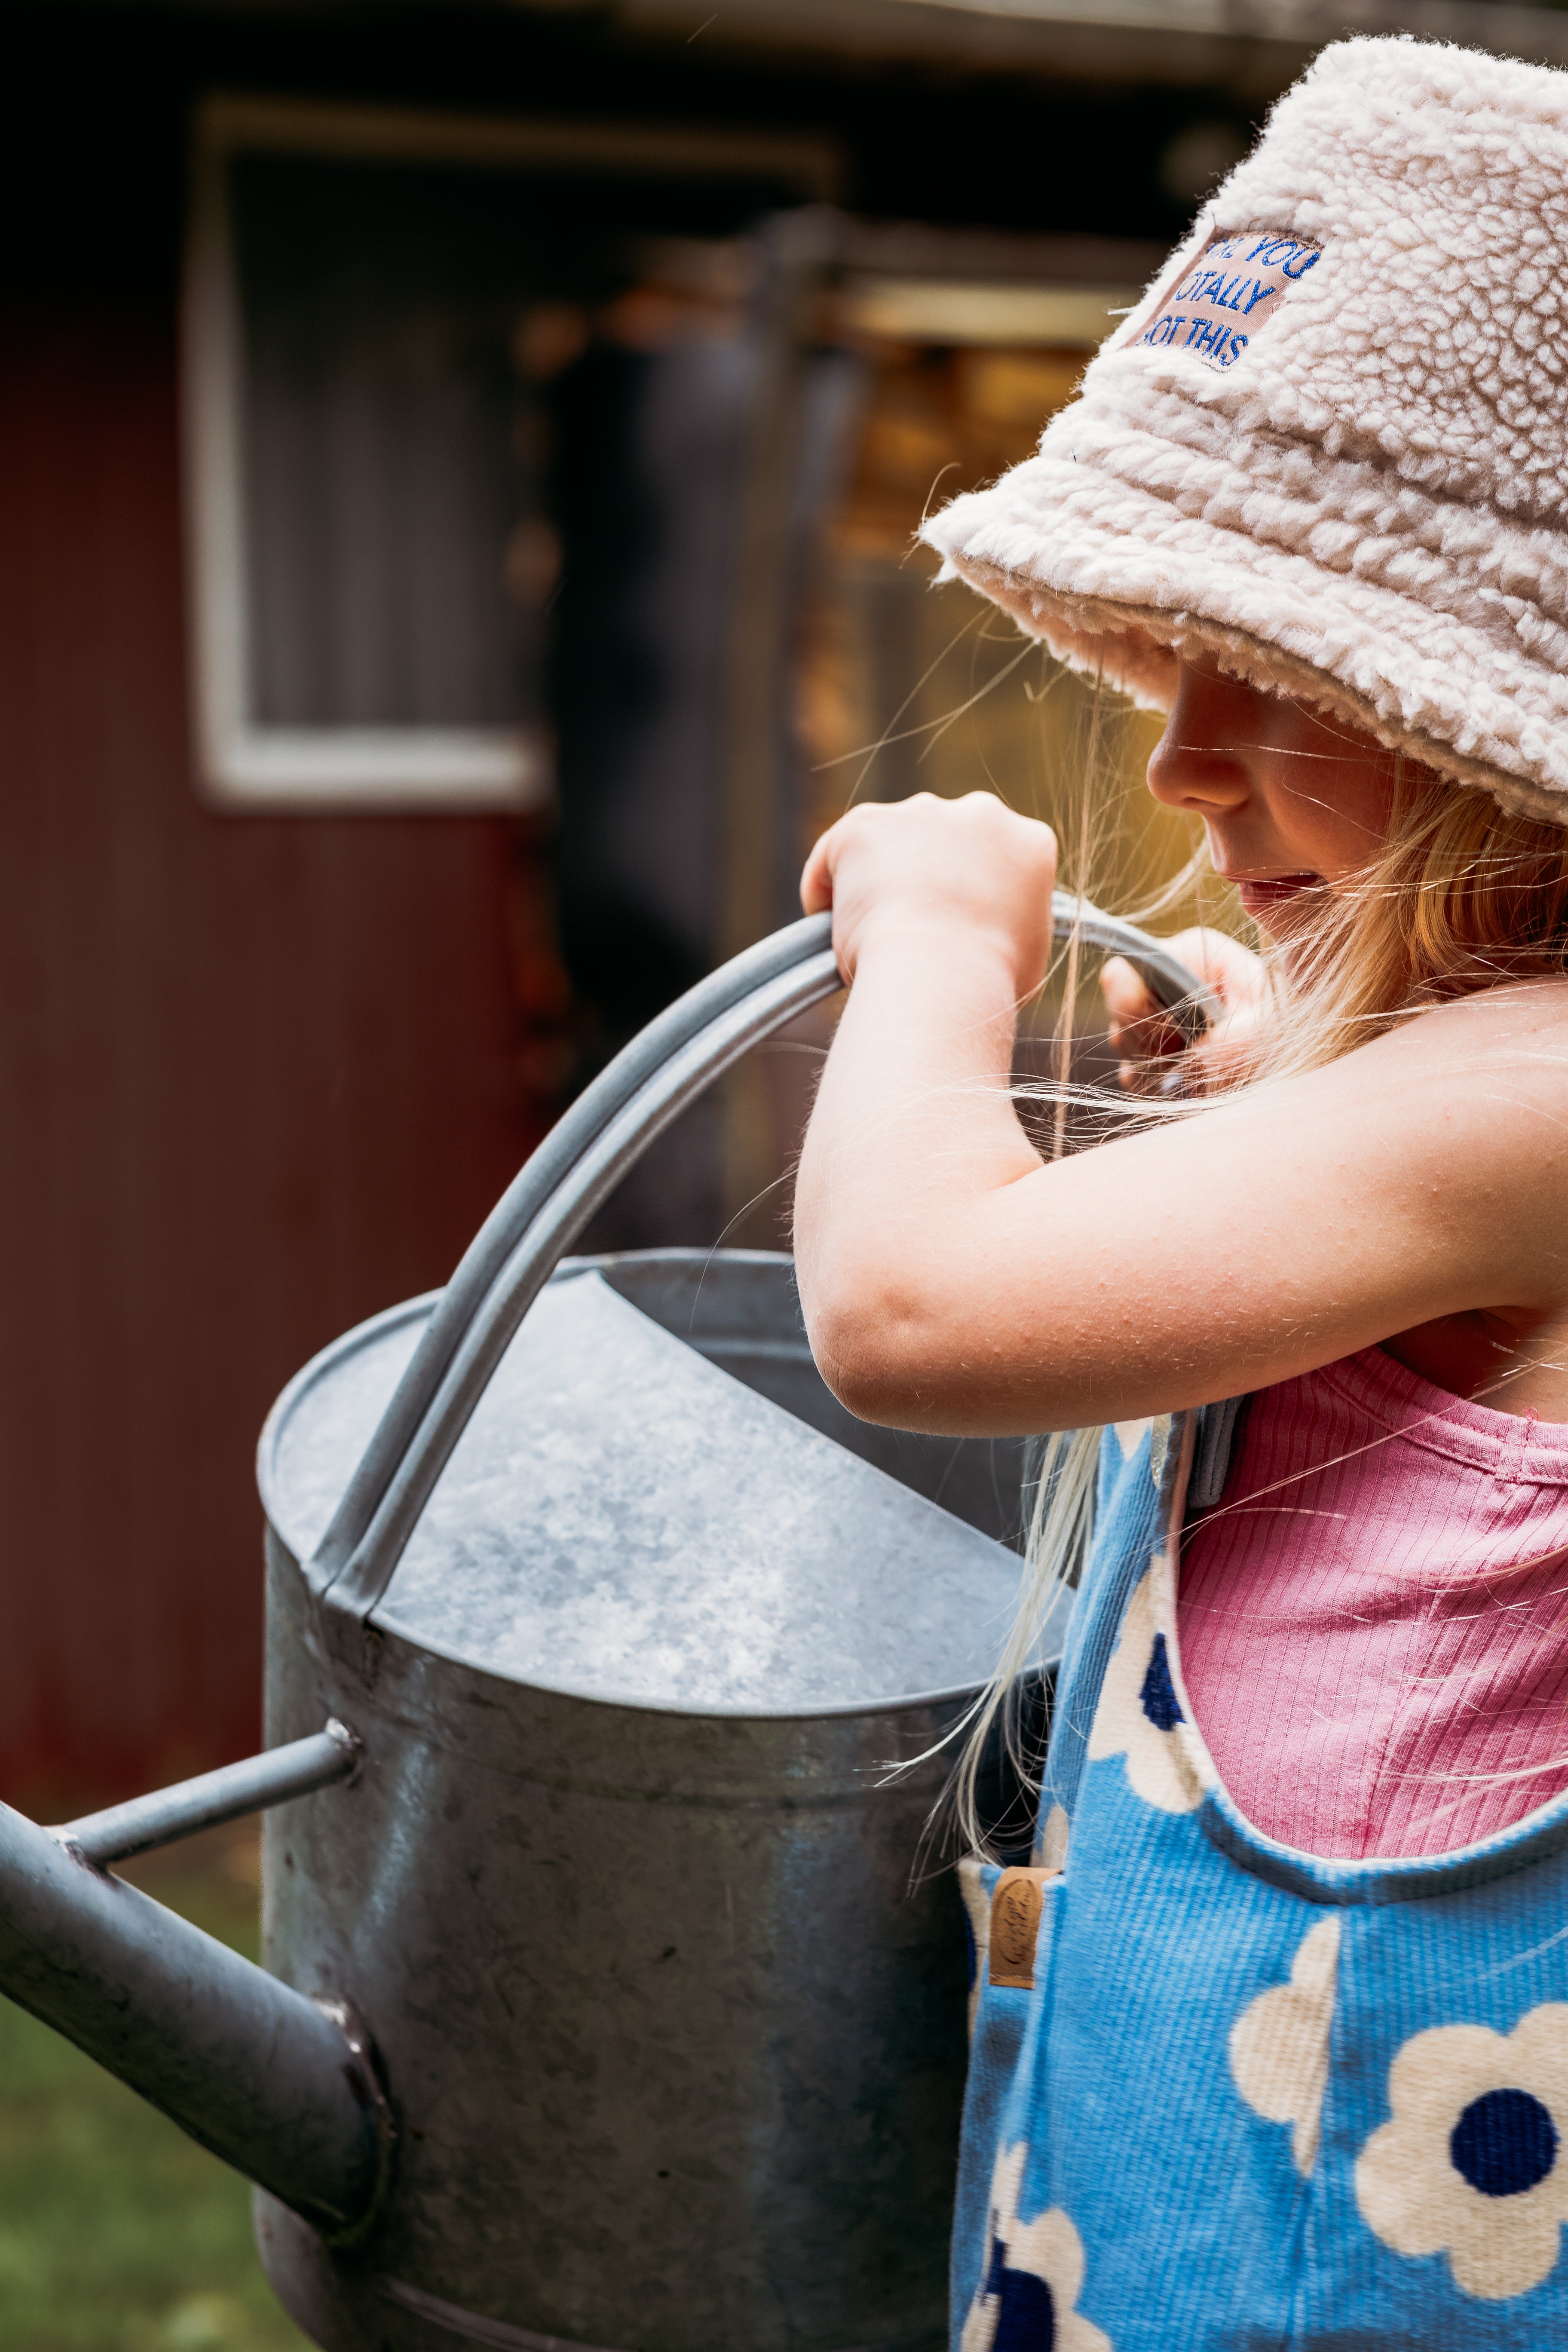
x=600 y=2010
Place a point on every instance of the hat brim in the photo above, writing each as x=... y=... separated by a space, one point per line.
x=1117 y=579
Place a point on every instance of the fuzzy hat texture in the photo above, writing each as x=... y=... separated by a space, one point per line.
x=1331 y=444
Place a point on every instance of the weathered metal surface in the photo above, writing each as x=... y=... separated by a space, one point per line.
x=659 y=1990
x=226 y=1795
x=677 y=2046
x=623 y=1519
x=268 y=2081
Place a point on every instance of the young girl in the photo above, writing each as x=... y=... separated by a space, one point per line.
x=1271 y=2043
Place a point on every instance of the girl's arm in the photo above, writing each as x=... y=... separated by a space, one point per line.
x=953 y=1281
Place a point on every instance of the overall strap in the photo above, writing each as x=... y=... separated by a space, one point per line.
x=1218 y=1426
x=1144 y=1471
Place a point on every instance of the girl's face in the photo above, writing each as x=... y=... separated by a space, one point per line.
x=1291 y=799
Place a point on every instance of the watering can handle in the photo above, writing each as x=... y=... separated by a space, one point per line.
x=579 y=1163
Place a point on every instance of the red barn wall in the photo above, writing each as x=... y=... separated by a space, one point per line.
x=258 y=1078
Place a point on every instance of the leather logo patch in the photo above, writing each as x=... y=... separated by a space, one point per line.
x=1235 y=287
x=1016 y=1909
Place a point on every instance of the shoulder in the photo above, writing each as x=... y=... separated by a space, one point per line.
x=1467 y=1107
x=1512 y=1006
x=1513 y=1015
x=1454 y=1056
x=1492 y=1066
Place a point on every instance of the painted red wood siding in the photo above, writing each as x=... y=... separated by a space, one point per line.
x=258 y=1078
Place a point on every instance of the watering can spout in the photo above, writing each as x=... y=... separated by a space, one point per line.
x=282 y=2088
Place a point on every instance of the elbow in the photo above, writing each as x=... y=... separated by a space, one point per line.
x=866 y=1385
x=876 y=1350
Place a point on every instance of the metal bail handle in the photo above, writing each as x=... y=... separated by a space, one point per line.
x=579 y=1164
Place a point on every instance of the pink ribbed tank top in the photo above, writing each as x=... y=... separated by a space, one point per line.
x=1374 y=1619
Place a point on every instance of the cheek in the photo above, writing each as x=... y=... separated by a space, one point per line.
x=1339 y=818
x=1363 y=810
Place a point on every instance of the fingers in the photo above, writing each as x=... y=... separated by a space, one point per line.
x=817 y=876
x=1128 y=998
x=1233 y=972
x=1142 y=1037
x=1149 y=1046
x=972 y=864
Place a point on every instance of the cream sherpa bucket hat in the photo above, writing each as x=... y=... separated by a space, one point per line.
x=1331 y=444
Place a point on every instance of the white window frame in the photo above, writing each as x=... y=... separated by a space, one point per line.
x=240 y=763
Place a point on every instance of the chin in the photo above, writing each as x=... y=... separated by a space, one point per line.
x=1279 y=903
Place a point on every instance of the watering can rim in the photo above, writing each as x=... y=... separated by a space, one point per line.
x=387 y=1318
x=391 y=1319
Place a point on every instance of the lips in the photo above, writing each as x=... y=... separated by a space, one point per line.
x=1259 y=893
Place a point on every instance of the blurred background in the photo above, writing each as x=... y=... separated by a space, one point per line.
x=458 y=465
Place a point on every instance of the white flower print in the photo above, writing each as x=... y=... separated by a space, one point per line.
x=1130 y=1436
x=1473 y=2164
x=1033 y=2276
x=1139 y=1710
x=1051 y=1846
x=1279 y=2044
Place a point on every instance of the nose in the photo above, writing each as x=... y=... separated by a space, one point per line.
x=1194 y=765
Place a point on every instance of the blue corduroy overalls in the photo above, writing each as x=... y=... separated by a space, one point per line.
x=1224 y=2095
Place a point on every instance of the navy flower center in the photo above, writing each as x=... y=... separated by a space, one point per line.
x=1028 y=2319
x=1504 y=2143
x=1158 y=1691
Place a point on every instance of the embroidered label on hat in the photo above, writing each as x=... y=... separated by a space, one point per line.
x=1235 y=286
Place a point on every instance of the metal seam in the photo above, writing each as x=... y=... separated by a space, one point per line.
x=505 y=2337
x=473 y=2324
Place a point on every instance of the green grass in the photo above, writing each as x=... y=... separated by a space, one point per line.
x=117 y=2233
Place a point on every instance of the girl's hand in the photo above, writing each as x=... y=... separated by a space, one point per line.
x=892 y=865
x=1148 y=1043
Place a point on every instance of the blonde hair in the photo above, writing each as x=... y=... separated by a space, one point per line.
x=1461 y=895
